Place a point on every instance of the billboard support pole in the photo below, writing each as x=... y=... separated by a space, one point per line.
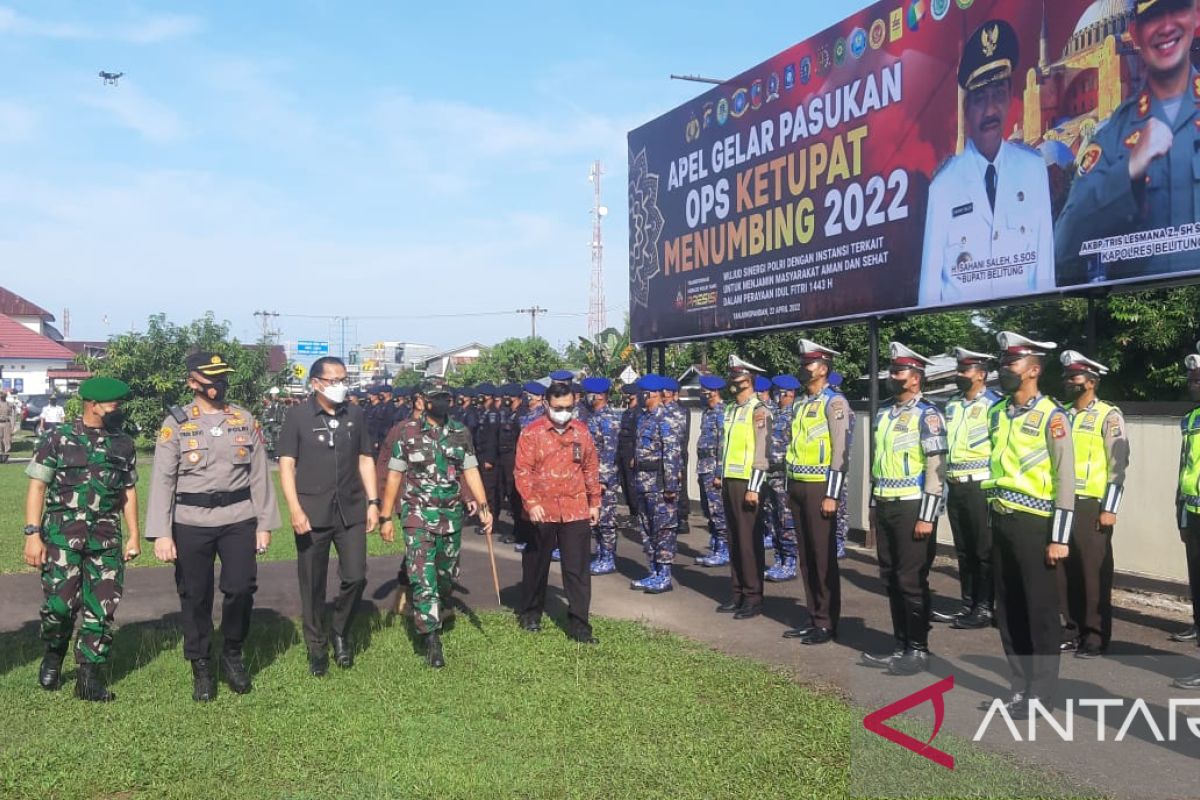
x=873 y=394
x=1090 y=327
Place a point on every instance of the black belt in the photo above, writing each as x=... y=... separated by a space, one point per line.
x=649 y=466
x=706 y=453
x=212 y=499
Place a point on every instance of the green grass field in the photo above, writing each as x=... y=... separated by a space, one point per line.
x=13 y=485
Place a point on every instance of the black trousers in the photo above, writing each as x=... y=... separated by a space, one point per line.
x=491 y=486
x=685 y=503
x=1027 y=602
x=628 y=485
x=747 y=560
x=197 y=549
x=1191 y=546
x=312 y=569
x=967 y=511
x=816 y=547
x=904 y=563
x=574 y=541
x=1085 y=579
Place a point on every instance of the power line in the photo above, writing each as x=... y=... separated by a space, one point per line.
x=533 y=315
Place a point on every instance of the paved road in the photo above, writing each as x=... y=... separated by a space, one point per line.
x=1142 y=663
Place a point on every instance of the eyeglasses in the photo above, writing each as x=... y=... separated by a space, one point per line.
x=333 y=381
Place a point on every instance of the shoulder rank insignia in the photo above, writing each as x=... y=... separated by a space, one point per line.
x=1035 y=418
x=1132 y=139
x=1196 y=87
x=1089 y=158
x=1143 y=103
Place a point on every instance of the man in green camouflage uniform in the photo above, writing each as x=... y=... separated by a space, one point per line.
x=433 y=458
x=81 y=482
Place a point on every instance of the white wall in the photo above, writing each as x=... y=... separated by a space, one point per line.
x=33 y=371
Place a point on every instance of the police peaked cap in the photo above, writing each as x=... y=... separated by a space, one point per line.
x=1145 y=8
x=811 y=351
x=1075 y=363
x=906 y=357
x=210 y=365
x=1018 y=346
x=969 y=358
x=989 y=55
x=738 y=366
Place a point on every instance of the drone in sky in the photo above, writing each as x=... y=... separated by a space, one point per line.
x=111 y=78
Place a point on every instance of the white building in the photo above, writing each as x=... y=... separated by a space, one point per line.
x=442 y=364
x=31 y=363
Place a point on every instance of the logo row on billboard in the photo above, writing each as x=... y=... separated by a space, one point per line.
x=761 y=92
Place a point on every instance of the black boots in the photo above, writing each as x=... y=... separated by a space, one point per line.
x=433 y=650
x=50 y=674
x=343 y=653
x=235 y=672
x=204 y=685
x=89 y=686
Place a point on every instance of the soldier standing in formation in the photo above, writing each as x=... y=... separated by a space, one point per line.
x=776 y=496
x=1031 y=489
x=658 y=462
x=604 y=424
x=743 y=472
x=431 y=460
x=211 y=496
x=82 y=481
x=1101 y=448
x=709 y=452
x=906 y=499
x=1187 y=505
x=967 y=467
x=818 y=459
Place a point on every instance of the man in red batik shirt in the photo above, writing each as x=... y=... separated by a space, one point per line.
x=557 y=475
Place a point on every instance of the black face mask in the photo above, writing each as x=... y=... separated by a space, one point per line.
x=439 y=408
x=113 y=420
x=1073 y=390
x=218 y=387
x=963 y=383
x=895 y=385
x=1009 y=381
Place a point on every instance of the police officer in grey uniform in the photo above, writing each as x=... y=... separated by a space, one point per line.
x=988 y=229
x=211 y=496
x=1140 y=171
x=8 y=420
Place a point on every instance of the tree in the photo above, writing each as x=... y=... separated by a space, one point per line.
x=510 y=361
x=152 y=363
x=607 y=355
x=408 y=378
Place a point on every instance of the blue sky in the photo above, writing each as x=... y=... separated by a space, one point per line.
x=403 y=164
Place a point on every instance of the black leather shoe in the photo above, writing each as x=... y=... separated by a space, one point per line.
x=979 y=618
x=343 y=653
x=1191 y=682
x=1188 y=634
x=798 y=632
x=1067 y=646
x=747 y=612
x=938 y=616
x=911 y=662
x=1088 y=651
x=50 y=673
x=235 y=673
x=817 y=636
x=531 y=623
x=881 y=662
x=90 y=686
x=1016 y=699
x=204 y=685
x=729 y=607
x=508 y=538
x=433 y=650
x=584 y=636
x=1019 y=707
x=318 y=664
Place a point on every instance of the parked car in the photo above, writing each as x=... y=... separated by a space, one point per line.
x=32 y=405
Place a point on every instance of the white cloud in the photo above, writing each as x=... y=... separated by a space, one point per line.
x=16 y=23
x=131 y=108
x=17 y=123
x=149 y=30
x=154 y=30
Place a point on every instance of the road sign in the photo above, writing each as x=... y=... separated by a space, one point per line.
x=298 y=371
x=312 y=347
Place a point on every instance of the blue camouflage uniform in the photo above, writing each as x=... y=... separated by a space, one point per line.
x=776 y=504
x=605 y=427
x=768 y=516
x=658 y=460
x=709 y=446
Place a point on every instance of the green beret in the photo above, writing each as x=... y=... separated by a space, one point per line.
x=103 y=390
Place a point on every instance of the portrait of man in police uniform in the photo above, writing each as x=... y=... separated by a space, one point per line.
x=1141 y=171
x=988 y=227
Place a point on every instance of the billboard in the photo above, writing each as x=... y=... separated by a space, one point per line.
x=921 y=155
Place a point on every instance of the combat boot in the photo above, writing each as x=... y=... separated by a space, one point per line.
x=235 y=672
x=90 y=686
x=784 y=569
x=768 y=542
x=50 y=674
x=719 y=557
x=603 y=563
x=641 y=583
x=433 y=650
x=662 y=581
x=204 y=685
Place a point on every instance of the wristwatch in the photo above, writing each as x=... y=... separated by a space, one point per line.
x=376 y=502
x=30 y=530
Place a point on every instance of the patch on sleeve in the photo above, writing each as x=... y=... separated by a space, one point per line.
x=165 y=434
x=934 y=423
x=1058 y=428
x=1089 y=159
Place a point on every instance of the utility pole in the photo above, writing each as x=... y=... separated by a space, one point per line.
x=266 y=318
x=596 y=320
x=533 y=315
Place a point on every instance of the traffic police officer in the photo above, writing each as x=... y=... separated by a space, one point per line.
x=907 y=478
x=967 y=467
x=1031 y=490
x=776 y=499
x=743 y=467
x=1101 y=457
x=81 y=484
x=658 y=462
x=604 y=423
x=1139 y=171
x=709 y=451
x=818 y=458
x=211 y=496
x=1187 y=503
x=988 y=228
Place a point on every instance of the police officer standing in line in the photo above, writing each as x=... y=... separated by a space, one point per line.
x=967 y=467
x=487 y=442
x=659 y=466
x=327 y=473
x=1101 y=447
x=818 y=459
x=766 y=514
x=82 y=481
x=743 y=471
x=709 y=451
x=1187 y=504
x=211 y=496
x=604 y=424
x=684 y=423
x=510 y=430
x=784 y=568
x=1031 y=490
x=1138 y=173
x=906 y=498
x=626 y=441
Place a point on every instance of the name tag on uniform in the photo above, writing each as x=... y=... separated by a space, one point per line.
x=963 y=210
